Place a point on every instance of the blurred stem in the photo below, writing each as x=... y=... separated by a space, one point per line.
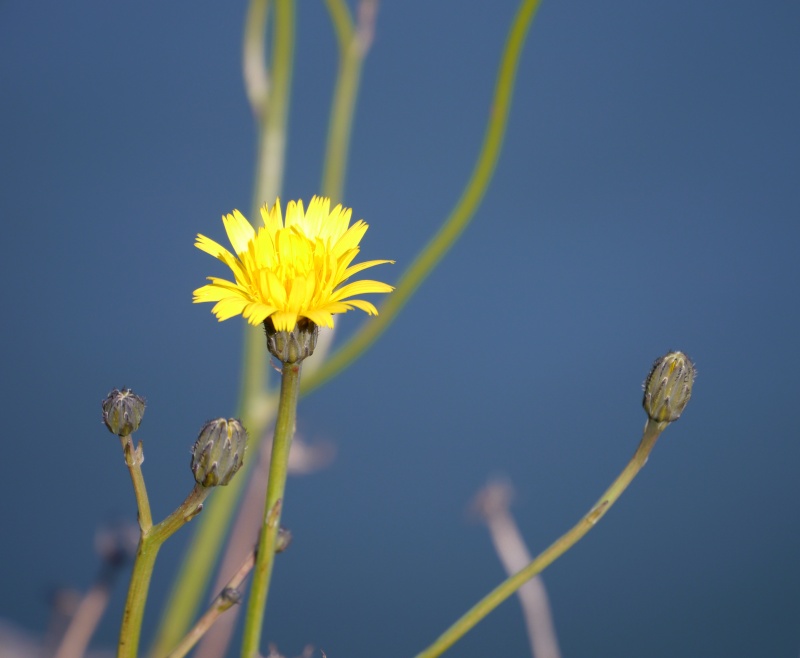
x=149 y=544
x=459 y=218
x=254 y=66
x=651 y=433
x=493 y=505
x=276 y=485
x=270 y=101
x=354 y=42
x=85 y=621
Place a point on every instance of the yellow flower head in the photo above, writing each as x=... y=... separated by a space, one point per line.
x=290 y=270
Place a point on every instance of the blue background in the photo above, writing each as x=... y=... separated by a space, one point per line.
x=646 y=199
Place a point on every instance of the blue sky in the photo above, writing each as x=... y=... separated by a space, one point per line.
x=646 y=199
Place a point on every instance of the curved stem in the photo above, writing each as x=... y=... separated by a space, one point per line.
x=651 y=433
x=460 y=216
x=354 y=42
x=276 y=485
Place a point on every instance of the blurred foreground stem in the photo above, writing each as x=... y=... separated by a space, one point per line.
x=652 y=431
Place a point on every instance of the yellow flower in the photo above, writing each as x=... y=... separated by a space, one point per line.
x=290 y=270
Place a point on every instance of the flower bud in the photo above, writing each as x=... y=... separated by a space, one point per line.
x=668 y=387
x=123 y=411
x=292 y=346
x=218 y=452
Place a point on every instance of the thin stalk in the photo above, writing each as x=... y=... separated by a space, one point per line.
x=270 y=100
x=133 y=460
x=276 y=485
x=459 y=218
x=228 y=597
x=652 y=431
x=150 y=543
x=354 y=42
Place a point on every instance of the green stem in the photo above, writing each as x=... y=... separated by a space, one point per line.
x=137 y=596
x=133 y=460
x=353 y=45
x=276 y=485
x=256 y=406
x=651 y=433
x=459 y=218
x=149 y=544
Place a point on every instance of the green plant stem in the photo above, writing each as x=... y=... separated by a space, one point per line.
x=133 y=460
x=137 y=596
x=150 y=542
x=256 y=403
x=276 y=485
x=459 y=218
x=651 y=433
x=353 y=43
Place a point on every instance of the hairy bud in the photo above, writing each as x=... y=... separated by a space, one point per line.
x=218 y=452
x=668 y=387
x=123 y=411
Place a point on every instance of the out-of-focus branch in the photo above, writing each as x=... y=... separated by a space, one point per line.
x=115 y=546
x=254 y=66
x=492 y=505
x=354 y=40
